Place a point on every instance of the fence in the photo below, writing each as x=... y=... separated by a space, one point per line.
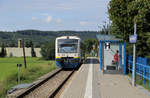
x=18 y=52
x=142 y=68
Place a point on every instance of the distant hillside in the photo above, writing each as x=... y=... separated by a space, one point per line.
x=40 y=37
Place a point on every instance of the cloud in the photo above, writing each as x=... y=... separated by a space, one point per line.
x=34 y=18
x=58 y=20
x=49 y=19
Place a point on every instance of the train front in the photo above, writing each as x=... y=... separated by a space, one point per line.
x=67 y=52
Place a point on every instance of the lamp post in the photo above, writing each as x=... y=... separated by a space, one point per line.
x=134 y=60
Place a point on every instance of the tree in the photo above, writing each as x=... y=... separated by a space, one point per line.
x=123 y=14
x=48 y=51
x=83 y=49
x=3 y=51
x=27 y=44
x=118 y=15
x=33 y=54
x=105 y=29
x=89 y=45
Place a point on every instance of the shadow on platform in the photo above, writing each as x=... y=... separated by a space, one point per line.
x=114 y=72
x=93 y=60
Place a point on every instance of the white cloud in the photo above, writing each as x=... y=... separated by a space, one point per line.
x=34 y=18
x=49 y=19
x=58 y=20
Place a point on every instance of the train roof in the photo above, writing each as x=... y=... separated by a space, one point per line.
x=70 y=37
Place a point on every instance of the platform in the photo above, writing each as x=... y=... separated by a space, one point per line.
x=89 y=82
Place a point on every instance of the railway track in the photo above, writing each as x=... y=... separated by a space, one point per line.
x=49 y=87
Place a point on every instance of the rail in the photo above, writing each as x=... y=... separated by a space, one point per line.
x=48 y=85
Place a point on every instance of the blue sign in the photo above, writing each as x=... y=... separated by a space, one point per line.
x=133 y=39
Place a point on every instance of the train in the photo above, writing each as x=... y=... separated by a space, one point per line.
x=68 y=52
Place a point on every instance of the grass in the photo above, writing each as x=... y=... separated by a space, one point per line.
x=140 y=82
x=36 y=67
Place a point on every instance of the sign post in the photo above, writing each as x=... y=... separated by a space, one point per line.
x=133 y=39
x=134 y=57
x=25 y=65
x=19 y=65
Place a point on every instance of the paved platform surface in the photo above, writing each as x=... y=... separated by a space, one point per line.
x=89 y=82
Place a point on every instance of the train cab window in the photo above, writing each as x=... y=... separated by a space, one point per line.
x=67 y=45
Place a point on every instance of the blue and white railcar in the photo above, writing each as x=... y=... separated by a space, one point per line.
x=67 y=51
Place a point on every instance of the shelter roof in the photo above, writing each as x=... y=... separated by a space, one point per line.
x=103 y=37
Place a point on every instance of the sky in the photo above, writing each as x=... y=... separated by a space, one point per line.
x=53 y=15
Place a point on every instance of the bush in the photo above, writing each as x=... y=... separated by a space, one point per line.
x=3 y=89
x=11 y=54
x=3 y=51
x=48 y=51
x=5 y=84
x=33 y=53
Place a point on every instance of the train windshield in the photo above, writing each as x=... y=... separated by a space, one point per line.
x=67 y=45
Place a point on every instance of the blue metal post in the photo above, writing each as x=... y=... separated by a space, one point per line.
x=124 y=58
x=139 y=72
x=149 y=77
x=129 y=66
x=129 y=63
x=120 y=55
x=99 y=56
x=144 y=69
x=143 y=75
x=103 y=56
x=140 y=68
x=100 y=51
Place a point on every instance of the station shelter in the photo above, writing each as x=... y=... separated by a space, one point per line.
x=108 y=45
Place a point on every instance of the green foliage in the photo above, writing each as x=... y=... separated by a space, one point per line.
x=33 y=54
x=89 y=43
x=123 y=14
x=140 y=82
x=105 y=29
x=3 y=51
x=119 y=17
x=83 y=49
x=9 y=79
x=28 y=44
x=48 y=51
